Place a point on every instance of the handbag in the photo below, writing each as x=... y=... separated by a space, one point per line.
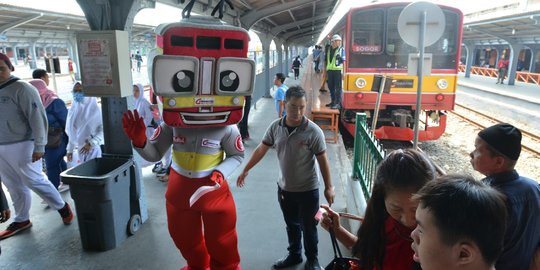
x=54 y=137
x=339 y=262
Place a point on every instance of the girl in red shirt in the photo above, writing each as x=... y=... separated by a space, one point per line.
x=383 y=241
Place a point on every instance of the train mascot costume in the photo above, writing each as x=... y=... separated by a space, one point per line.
x=202 y=78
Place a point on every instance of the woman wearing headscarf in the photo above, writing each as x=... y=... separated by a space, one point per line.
x=84 y=127
x=56 y=116
x=144 y=108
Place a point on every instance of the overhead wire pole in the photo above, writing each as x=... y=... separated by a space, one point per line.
x=412 y=28
x=422 y=25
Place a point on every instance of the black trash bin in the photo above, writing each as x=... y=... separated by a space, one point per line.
x=101 y=190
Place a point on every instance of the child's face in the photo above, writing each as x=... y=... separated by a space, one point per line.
x=276 y=81
x=136 y=91
x=429 y=250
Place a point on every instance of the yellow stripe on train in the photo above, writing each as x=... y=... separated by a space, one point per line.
x=202 y=101
x=401 y=83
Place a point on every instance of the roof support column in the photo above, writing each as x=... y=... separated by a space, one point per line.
x=471 y=50
x=33 y=62
x=266 y=40
x=117 y=15
x=279 y=54
x=286 y=68
x=74 y=55
x=534 y=51
x=106 y=15
x=515 y=48
x=15 y=54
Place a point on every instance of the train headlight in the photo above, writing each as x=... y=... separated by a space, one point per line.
x=236 y=101
x=442 y=84
x=439 y=97
x=360 y=83
x=171 y=102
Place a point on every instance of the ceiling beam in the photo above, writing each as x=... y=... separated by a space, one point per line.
x=284 y=27
x=255 y=15
x=316 y=30
x=18 y=23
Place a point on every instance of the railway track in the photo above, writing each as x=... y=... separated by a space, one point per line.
x=531 y=138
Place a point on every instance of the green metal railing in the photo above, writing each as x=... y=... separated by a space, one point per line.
x=368 y=152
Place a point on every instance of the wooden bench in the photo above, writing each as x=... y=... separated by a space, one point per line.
x=326 y=118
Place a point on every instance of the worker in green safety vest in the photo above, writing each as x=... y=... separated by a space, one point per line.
x=335 y=58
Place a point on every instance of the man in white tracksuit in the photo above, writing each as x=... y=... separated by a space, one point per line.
x=23 y=131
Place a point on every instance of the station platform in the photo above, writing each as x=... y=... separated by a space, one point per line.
x=261 y=230
x=524 y=91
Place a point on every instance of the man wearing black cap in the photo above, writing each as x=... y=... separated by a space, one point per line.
x=496 y=152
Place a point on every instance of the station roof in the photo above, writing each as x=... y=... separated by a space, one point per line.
x=22 y=26
x=521 y=28
x=291 y=21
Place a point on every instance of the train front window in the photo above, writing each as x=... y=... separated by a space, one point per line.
x=443 y=50
x=375 y=41
x=367 y=34
x=182 y=41
x=231 y=43
x=210 y=43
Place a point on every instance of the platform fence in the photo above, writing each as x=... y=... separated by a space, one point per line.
x=368 y=152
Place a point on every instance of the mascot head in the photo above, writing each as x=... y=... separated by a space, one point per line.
x=203 y=73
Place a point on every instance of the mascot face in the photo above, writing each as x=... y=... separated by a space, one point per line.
x=203 y=74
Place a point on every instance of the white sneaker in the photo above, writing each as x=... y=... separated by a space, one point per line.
x=63 y=188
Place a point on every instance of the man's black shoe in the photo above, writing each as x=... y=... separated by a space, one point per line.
x=335 y=106
x=288 y=261
x=329 y=104
x=312 y=264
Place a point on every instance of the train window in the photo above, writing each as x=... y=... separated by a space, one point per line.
x=235 y=76
x=448 y=41
x=367 y=32
x=210 y=43
x=443 y=50
x=182 y=41
x=175 y=75
x=234 y=44
x=394 y=43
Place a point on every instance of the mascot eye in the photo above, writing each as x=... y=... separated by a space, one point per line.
x=235 y=76
x=229 y=81
x=175 y=75
x=183 y=81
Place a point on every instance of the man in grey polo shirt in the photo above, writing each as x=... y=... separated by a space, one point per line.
x=299 y=144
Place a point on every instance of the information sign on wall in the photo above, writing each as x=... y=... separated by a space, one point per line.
x=104 y=61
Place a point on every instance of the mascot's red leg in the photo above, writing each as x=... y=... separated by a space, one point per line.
x=185 y=224
x=217 y=249
x=219 y=218
x=185 y=229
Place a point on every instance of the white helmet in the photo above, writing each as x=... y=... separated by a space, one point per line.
x=336 y=37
